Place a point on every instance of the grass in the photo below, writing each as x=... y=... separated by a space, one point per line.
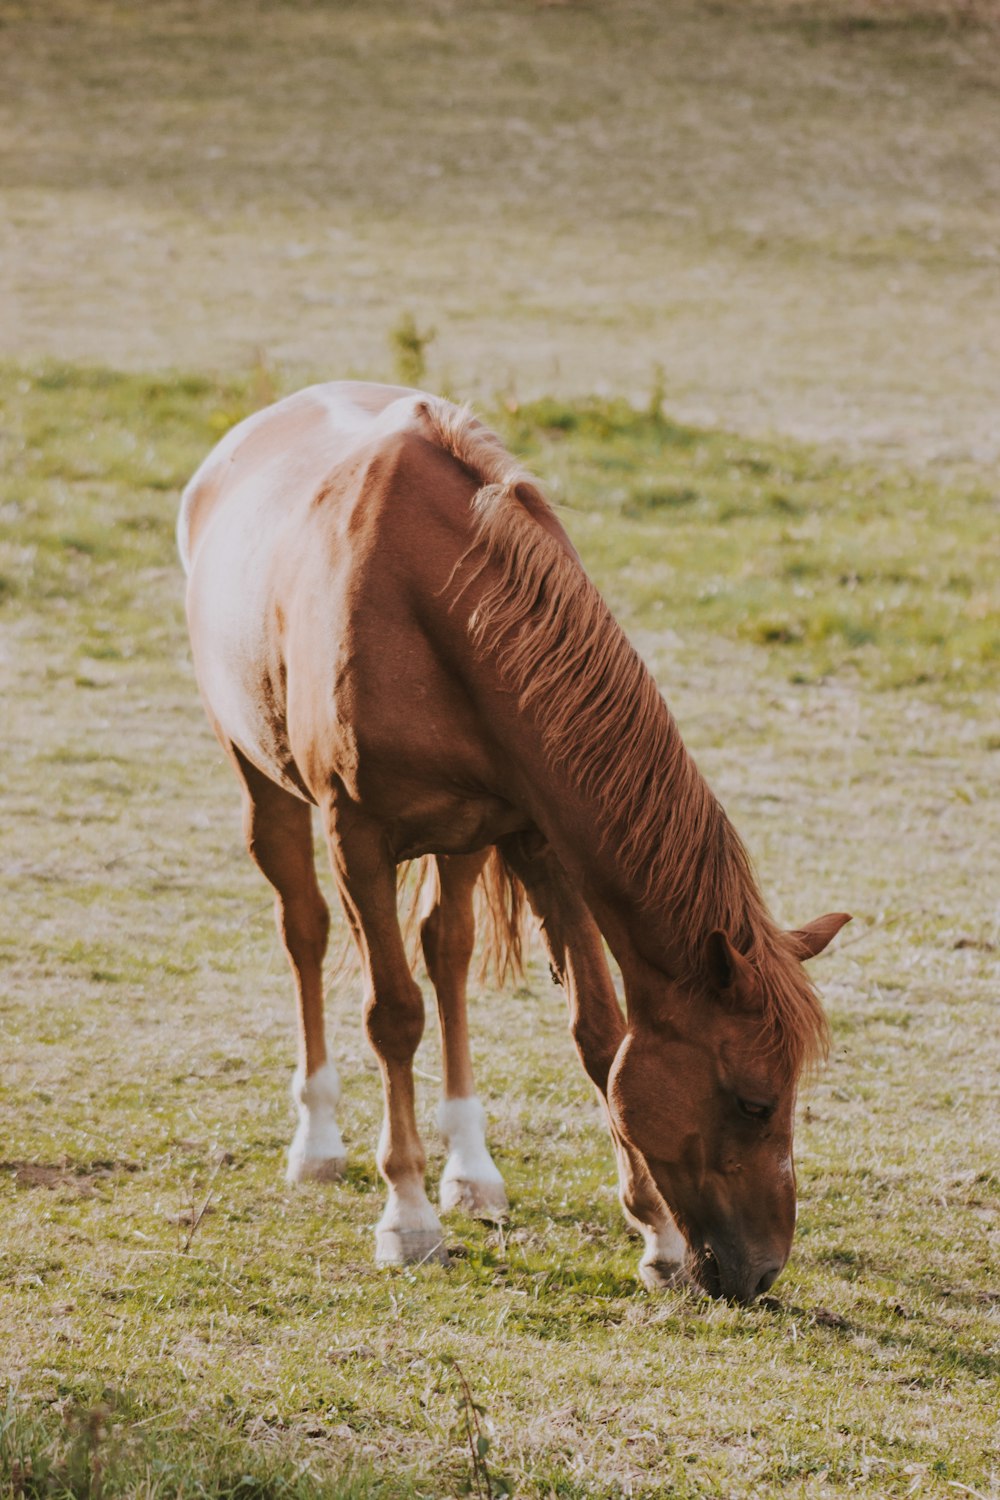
x=844 y=566
x=754 y=216
x=253 y=1349
x=790 y=207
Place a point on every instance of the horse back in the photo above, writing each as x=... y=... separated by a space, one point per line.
x=318 y=537
x=289 y=443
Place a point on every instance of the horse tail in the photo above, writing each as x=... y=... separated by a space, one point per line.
x=501 y=908
x=502 y=919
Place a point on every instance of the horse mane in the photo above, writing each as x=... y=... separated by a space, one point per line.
x=603 y=720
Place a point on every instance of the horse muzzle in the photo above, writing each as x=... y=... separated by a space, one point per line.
x=735 y=1277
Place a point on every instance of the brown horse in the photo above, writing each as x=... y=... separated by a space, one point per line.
x=389 y=624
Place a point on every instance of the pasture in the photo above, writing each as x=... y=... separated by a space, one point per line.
x=148 y=1023
x=787 y=208
x=789 y=205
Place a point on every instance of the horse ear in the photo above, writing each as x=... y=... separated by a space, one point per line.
x=816 y=936
x=731 y=974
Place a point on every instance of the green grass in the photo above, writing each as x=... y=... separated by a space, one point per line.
x=894 y=575
x=146 y=1014
x=890 y=574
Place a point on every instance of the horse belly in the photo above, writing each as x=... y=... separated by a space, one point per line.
x=452 y=825
x=382 y=718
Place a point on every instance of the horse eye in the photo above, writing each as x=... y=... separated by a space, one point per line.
x=754 y=1110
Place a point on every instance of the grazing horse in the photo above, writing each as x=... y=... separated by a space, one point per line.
x=390 y=624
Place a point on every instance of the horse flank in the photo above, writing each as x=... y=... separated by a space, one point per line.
x=603 y=721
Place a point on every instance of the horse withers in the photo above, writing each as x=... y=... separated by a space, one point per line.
x=390 y=625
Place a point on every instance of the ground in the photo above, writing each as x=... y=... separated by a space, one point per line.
x=791 y=210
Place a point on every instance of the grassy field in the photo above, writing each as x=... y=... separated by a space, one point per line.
x=146 y=1015
x=726 y=274
x=793 y=206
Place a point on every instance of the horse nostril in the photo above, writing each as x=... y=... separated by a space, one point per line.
x=709 y=1273
x=768 y=1279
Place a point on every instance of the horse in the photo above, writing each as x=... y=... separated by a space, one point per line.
x=390 y=625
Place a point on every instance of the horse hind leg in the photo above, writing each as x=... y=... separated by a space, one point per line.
x=278 y=830
x=447 y=934
x=409 y=1229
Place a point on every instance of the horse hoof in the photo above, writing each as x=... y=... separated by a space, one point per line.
x=483 y=1200
x=662 y=1275
x=408 y=1247
x=315 y=1169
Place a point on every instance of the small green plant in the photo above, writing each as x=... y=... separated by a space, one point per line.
x=469 y=1414
x=409 y=346
x=657 y=393
x=80 y=1465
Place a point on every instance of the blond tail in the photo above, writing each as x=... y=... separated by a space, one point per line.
x=502 y=914
x=502 y=920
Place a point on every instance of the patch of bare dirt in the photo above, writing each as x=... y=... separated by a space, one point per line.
x=81 y=1178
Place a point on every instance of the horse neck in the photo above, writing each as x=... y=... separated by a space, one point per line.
x=603 y=762
x=662 y=864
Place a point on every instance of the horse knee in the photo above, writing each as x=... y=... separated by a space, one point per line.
x=447 y=941
x=305 y=927
x=394 y=1021
x=597 y=1050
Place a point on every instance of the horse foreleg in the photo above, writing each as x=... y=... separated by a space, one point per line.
x=278 y=830
x=448 y=934
x=409 y=1229
x=576 y=951
x=665 y=1248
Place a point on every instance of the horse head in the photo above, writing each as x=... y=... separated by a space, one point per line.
x=703 y=1086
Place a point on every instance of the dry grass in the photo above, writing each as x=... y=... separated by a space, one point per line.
x=791 y=208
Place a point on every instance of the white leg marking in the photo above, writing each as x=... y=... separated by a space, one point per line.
x=664 y=1259
x=317 y=1150
x=409 y=1231
x=665 y=1256
x=470 y=1179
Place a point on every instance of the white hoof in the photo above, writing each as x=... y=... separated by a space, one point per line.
x=664 y=1262
x=302 y=1168
x=485 y=1200
x=317 y=1152
x=409 y=1232
x=662 y=1275
x=470 y=1180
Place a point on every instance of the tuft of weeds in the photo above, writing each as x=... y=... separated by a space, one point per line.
x=471 y=1417
x=409 y=345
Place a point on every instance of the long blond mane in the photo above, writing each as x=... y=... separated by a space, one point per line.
x=604 y=723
